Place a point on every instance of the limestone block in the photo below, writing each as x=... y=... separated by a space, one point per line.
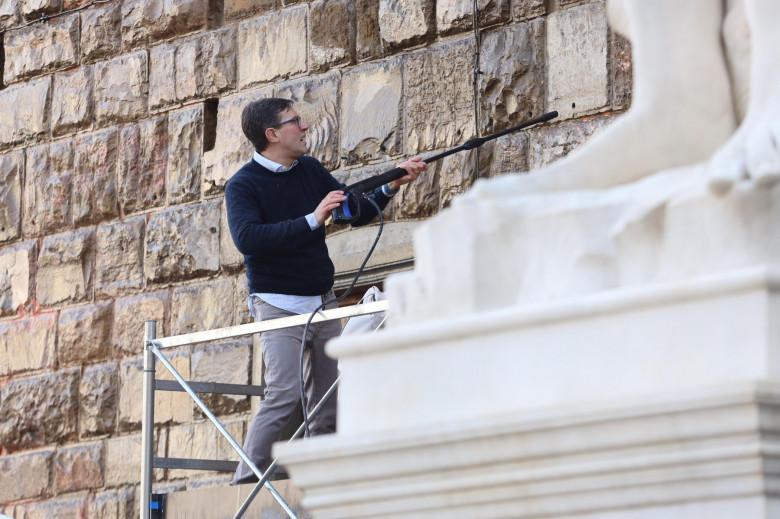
x=185 y=145
x=236 y=9
x=525 y=9
x=621 y=71
x=229 y=256
x=123 y=460
x=114 y=504
x=11 y=172
x=550 y=143
x=41 y=47
x=201 y=307
x=510 y=154
x=24 y=476
x=439 y=110
x=200 y=441
x=71 y=507
x=146 y=21
x=84 y=333
x=577 y=43
x=511 y=87
x=99 y=390
x=9 y=13
x=78 y=468
x=242 y=312
x=457 y=15
x=371 y=117
x=33 y=9
x=48 y=190
x=420 y=198
x=169 y=406
x=226 y=363
x=65 y=268
x=17 y=263
x=25 y=109
x=119 y=256
x=231 y=149
x=129 y=316
x=36 y=411
x=72 y=100
x=189 y=73
x=368 y=43
x=456 y=172
x=403 y=23
x=218 y=55
x=272 y=47
x=121 y=88
x=101 y=32
x=94 y=195
x=316 y=101
x=143 y=160
x=28 y=343
x=162 y=76
x=332 y=39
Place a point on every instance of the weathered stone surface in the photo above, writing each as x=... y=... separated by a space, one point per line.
x=371 y=118
x=332 y=38
x=218 y=56
x=439 y=97
x=65 y=268
x=189 y=72
x=143 y=160
x=11 y=172
x=84 y=333
x=512 y=84
x=202 y=307
x=33 y=9
x=162 y=76
x=456 y=173
x=457 y=15
x=620 y=71
x=99 y=391
x=146 y=21
x=71 y=107
x=121 y=88
x=48 y=190
x=368 y=43
x=185 y=145
x=525 y=9
x=24 y=476
x=182 y=243
x=550 y=143
x=17 y=263
x=95 y=196
x=510 y=154
x=316 y=101
x=123 y=460
x=229 y=256
x=420 y=198
x=119 y=256
x=227 y=363
x=27 y=344
x=272 y=47
x=25 y=109
x=236 y=9
x=78 y=468
x=41 y=47
x=203 y=441
x=36 y=411
x=129 y=316
x=71 y=507
x=404 y=23
x=242 y=313
x=101 y=32
x=578 y=79
x=231 y=149
x=115 y=504
x=9 y=13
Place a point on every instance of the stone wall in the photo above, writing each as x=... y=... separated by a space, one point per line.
x=119 y=130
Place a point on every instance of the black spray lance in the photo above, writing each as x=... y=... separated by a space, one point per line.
x=349 y=210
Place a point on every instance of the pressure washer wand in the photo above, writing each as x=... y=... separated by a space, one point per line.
x=349 y=210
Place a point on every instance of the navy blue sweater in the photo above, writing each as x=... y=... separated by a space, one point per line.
x=267 y=217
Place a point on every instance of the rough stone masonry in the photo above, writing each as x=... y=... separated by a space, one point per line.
x=119 y=130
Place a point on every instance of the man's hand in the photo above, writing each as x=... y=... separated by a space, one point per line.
x=331 y=201
x=413 y=168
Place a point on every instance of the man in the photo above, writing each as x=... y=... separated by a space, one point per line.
x=277 y=205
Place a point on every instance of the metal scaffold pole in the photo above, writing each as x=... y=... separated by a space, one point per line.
x=147 y=428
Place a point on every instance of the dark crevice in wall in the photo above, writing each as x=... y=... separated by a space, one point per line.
x=2 y=62
x=216 y=16
x=210 y=109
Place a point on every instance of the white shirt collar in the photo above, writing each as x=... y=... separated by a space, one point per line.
x=273 y=166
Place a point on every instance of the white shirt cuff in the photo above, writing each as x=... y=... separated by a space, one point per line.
x=313 y=223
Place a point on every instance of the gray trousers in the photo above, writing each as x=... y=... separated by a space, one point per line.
x=281 y=356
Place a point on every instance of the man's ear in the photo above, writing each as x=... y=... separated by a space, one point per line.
x=270 y=134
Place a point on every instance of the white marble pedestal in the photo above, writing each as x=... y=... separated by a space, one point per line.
x=652 y=402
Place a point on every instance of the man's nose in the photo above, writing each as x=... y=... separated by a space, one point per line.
x=304 y=126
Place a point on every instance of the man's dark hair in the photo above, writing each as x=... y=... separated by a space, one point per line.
x=260 y=115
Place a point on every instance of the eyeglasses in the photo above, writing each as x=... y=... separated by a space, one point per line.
x=296 y=120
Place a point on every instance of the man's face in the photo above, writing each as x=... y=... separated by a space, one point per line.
x=292 y=138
